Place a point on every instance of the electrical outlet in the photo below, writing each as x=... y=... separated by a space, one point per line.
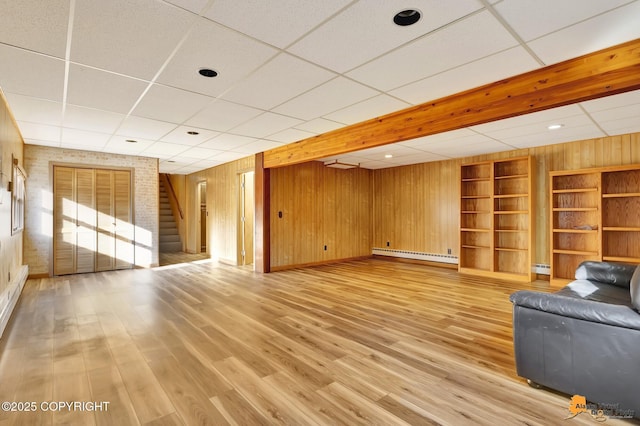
x=325 y=248
x=448 y=251
x=388 y=244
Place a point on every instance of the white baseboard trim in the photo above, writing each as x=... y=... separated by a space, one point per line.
x=13 y=294
x=407 y=254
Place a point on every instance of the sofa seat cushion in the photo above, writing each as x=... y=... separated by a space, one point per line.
x=613 y=312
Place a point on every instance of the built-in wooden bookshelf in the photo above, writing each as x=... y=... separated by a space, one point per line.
x=594 y=216
x=496 y=224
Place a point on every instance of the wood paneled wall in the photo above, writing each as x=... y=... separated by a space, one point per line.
x=417 y=207
x=222 y=205
x=320 y=207
x=11 y=261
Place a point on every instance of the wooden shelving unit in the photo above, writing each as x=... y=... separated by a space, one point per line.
x=595 y=215
x=496 y=225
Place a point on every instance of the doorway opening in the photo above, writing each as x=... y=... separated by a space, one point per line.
x=246 y=218
x=202 y=217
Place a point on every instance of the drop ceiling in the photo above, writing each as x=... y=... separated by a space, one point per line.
x=95 y=74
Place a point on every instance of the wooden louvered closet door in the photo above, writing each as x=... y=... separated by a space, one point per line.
x=93 y=229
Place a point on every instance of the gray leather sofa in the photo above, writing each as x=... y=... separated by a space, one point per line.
x=585 y=338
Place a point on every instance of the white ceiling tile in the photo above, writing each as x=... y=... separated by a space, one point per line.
x=541 y=119
x=139 y=127
x=231 y=54
x=615 y=27
x=187 y=170
x=258 y=146
x=331 y=96
x=170 y=104
x=195 y=6
x=534 y=18
x=278 y=81
x=422 y=157
x=278 y=23
x=31 y=74
x=374 y=107
x=200 y=153
x=290 y=135
x=119 y=145
x=222 y=116
x=628 y=111
x=97 y=89
x=227 y=142
x=94 y=120
x=465 y=41
x=166 y=167
x=81 y=139
x=265 y=124
x=538 y=128
x=487 y=147
x=422 y=143
x=621 y=126
x=373 y=165
x=319 y=125
x=42 y=142
x=35 y=25
x=179 y=135
x=474 y=74
x=588 y=131
x=229 y=156
x=35 y=110
x=206 y=164
x=129 y=37
x=379 y=152
x=615 y=101
x=164 y=150
x=366 y=29
x=41 y=132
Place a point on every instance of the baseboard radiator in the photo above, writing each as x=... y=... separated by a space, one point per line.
x=13 y=294
x=538 y=268
x=407 y=254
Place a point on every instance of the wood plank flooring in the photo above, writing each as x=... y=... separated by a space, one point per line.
x=363 y=342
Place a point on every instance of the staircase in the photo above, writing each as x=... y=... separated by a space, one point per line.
x=169 y=236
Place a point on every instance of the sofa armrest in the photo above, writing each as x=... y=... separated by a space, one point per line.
x=618 y=274
x=587 y=310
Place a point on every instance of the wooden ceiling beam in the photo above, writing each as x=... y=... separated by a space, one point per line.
x=606 y=72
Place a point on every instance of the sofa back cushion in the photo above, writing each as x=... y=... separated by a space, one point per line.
x=634 y=288
x=618 y=274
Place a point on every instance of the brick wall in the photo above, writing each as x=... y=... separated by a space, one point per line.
x=38 y=241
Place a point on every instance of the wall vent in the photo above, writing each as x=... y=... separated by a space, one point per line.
x=406 y=254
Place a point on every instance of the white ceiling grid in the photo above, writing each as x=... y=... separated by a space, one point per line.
x=92 y=74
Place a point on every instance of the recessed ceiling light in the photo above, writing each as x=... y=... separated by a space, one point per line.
x=407 y=17
x=388 y=156
x=170 y=161
x=555 y=126
x=207 y=72
x=131 y=141
x=192 y=132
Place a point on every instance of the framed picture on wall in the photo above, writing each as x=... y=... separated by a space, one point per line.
x=17 y=197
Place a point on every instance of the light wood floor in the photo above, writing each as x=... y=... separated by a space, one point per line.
x=364 y=342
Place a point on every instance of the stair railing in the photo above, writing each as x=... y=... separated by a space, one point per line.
x=172 y=193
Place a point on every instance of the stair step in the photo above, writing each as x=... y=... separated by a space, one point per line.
x=170 y=247
x=170 y=238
